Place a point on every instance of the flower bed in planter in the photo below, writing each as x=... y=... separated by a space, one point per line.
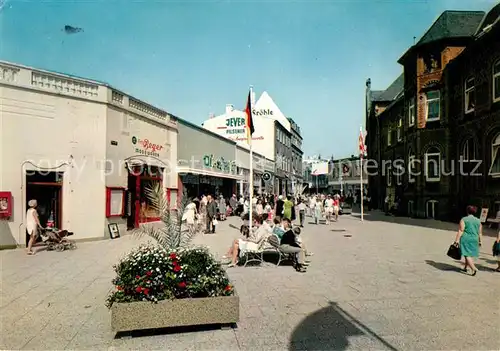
x=222 y=310
x=158 y=288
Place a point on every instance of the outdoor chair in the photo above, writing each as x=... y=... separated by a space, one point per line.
x=254 y=255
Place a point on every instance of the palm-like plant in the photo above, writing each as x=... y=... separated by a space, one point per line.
x=299 y=190
x=170 y=235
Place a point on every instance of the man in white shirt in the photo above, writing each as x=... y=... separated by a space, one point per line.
x=328 y=208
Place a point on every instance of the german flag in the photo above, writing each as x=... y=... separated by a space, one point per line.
x=249 y=120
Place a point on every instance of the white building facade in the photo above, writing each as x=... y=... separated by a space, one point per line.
x=272 y=138
x=85 y=151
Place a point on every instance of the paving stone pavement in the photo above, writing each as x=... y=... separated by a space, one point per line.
x=372 y=285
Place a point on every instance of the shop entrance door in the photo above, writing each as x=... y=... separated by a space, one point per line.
x=46 y=189
x=142 y=208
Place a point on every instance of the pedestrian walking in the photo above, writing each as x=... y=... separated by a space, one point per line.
x=302 y=212
x=469 y=235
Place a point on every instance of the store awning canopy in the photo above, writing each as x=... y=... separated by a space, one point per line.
x=138 y=160
x=209 y=173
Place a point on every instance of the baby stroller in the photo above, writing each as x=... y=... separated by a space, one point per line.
x=57 y=239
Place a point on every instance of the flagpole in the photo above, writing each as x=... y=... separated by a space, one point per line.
x=250 y=181
x=361 y=136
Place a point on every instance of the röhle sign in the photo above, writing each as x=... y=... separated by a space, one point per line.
x=262 y=112
x=146 y=147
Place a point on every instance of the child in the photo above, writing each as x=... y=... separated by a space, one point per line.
x=278 y=229
x=299 y=241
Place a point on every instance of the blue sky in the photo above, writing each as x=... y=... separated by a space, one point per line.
x=193 y=57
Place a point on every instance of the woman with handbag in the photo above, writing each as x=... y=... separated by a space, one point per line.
x=470 y=232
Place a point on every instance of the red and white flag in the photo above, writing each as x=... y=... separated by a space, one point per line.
x=361 y=142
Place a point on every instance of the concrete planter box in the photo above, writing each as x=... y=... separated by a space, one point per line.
x=143 y=315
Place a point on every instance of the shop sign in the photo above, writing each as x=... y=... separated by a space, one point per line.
x=210 y=161
x=235 y=125
x=146 y=147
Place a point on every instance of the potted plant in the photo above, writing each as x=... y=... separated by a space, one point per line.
x=168 y=283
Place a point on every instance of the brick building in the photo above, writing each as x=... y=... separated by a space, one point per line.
x=449 y=86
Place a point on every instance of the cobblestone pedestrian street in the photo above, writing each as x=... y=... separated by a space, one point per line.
x=372 y=285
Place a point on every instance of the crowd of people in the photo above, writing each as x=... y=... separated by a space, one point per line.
x=271 y=215
x=203 y=213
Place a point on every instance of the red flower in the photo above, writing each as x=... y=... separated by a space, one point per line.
x=148 y=273
x=228 y=288
x=182 y=285
x=146 y=291
x=119 y=288
x=138 y=289
x=177 y=268
x=137 y=277
x=173 y=256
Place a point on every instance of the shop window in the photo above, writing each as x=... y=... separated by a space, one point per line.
x=388 y=175
x=496 y=81
x=470 y=98
x=411 y=113
x=411 y=205
x=148 y=207
x=431 y=209
x=433 y=105
x=495 y=157
x=433 y=165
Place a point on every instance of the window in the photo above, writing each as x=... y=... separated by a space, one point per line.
x=388 y=175
x=399 y=130
x=496 y=81
x=389 y=137
x=433 y=165
x=399 y=177
x=495 y=158
x=411 y=113
x=469 y=151
x=470 y=97
x=431 y=209
x=433 y=106
x=411 y=168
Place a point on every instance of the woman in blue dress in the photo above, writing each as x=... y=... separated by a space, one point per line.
x=470 y=232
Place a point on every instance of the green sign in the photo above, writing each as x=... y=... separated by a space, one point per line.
x=235 y=122
x=219 y=164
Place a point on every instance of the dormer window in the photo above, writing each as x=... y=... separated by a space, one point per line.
x=432 y=62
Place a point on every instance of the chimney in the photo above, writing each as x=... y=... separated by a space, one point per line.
x=229 y=108
x=211 y=115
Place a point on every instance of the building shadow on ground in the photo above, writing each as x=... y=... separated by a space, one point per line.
x=379 y=216
x=330 y=329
